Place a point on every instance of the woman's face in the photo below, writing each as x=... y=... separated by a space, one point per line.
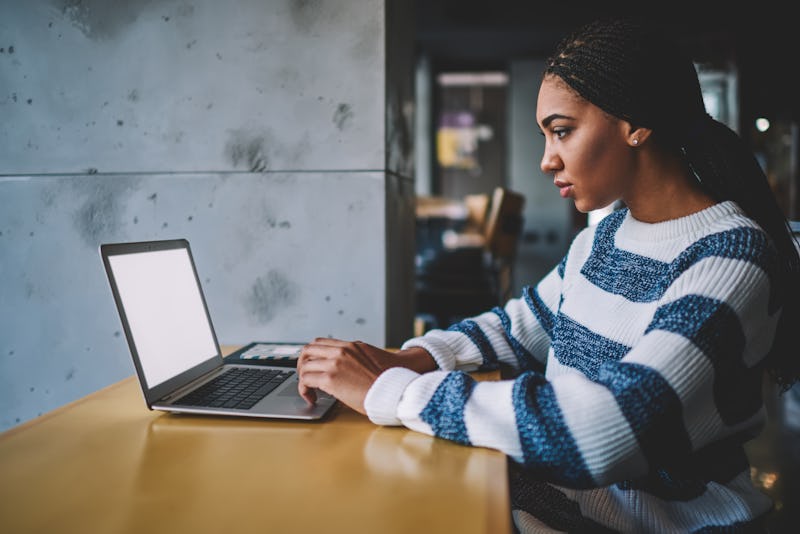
x=586 y=150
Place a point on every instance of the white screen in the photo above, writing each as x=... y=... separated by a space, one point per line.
x=165 y=312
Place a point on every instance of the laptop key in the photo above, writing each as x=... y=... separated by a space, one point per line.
x=239 y=388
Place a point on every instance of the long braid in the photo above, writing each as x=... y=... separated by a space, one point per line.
x=728 y=170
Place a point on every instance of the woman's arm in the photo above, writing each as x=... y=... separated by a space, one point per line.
x=690 y=379
x=518 y=334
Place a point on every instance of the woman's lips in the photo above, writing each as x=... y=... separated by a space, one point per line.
x=564 y=188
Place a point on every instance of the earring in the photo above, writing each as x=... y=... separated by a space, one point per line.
x=635 y=141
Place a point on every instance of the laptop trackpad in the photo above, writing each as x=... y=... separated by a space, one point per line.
x=291 y=391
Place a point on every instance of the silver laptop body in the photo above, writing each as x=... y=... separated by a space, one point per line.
x=171 y=337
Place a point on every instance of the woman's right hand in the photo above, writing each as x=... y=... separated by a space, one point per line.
x=347 y=369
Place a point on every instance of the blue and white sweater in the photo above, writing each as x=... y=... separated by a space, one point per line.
x=637 y=378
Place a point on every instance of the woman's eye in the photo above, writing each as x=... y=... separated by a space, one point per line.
x=559 y=133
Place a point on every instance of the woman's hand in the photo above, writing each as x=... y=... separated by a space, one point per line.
x=347 y=369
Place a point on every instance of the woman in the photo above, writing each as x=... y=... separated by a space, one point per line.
x=640 y=356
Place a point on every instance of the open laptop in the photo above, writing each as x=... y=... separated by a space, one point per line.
x=174 y=347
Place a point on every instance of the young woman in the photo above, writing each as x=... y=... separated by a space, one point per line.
x=640 y=357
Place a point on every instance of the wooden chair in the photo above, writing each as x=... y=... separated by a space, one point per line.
x=477 y=206
x=503 y=230
x=467 y=280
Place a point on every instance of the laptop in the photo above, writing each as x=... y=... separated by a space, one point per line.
x=174 y=347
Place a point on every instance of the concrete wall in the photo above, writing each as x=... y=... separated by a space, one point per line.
x=274 y=135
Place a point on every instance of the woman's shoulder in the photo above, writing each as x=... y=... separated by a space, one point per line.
x=736 y=236
x=733 y=250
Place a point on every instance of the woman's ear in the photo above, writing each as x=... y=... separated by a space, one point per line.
x=638 y=135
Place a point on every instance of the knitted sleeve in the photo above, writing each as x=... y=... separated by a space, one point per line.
x=608 y=411
x=518 y=334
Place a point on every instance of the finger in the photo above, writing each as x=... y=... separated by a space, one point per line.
x=304 y=356
x=319 y=340
x=315 y=374
x=331 y=342
x=308 y=393
x=320 y=351
x=312 y=350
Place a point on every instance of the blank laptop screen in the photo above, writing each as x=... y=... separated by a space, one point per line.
x=165 y=312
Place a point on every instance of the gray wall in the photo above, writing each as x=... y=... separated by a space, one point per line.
x=274 y=135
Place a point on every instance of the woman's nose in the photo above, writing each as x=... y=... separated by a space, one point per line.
x=550 y=161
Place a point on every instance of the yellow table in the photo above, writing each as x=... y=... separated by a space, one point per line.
x=106 y=464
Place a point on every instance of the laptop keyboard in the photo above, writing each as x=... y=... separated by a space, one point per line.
x=238 y=387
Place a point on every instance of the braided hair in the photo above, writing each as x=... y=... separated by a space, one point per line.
x=632 y=71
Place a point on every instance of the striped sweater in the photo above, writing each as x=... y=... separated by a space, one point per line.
x=636 y=381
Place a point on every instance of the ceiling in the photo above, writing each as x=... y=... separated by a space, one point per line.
x=762 y=43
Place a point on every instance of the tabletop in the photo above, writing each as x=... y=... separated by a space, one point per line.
x=107 y=464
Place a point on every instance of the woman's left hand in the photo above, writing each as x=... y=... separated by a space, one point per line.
x=344 y=369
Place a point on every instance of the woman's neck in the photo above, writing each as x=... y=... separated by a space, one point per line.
x=665 y=189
